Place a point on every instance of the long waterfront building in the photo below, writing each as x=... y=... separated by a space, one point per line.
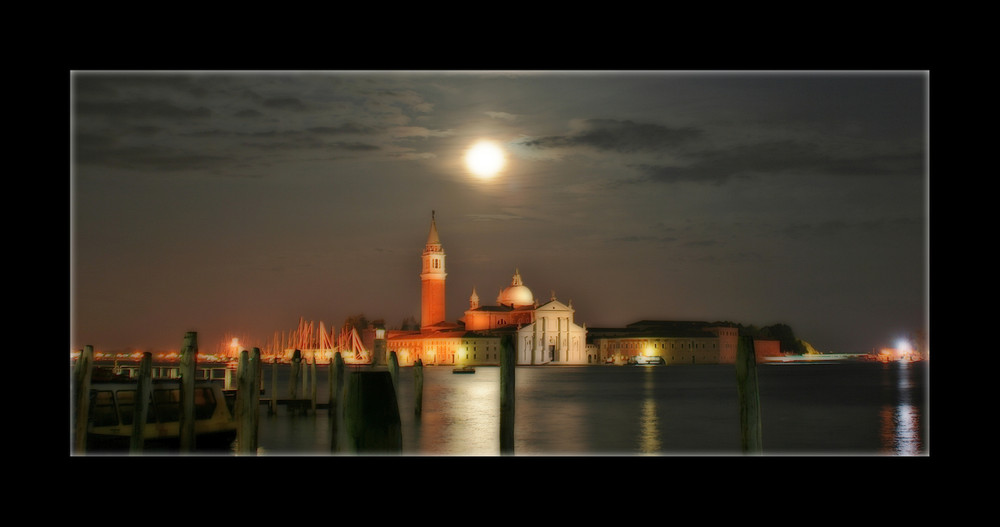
x=545 y=333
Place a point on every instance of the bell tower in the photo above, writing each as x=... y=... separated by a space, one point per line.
x=432 y=280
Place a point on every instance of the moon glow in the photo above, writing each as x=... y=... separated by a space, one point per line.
x=485 y=159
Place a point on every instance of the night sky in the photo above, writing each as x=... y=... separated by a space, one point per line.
x=238 y=202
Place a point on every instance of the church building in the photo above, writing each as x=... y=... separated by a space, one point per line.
x=543 y=334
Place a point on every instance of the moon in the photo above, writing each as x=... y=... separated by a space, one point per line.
x=485 y=159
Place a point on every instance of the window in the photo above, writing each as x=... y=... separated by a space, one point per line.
x=166 y=405
x=126 y=407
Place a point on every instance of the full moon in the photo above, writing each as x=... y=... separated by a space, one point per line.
x=485 y=159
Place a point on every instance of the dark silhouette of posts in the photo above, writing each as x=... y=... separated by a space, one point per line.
x=312 y=392
x=394 y=370
x=336 y=398
x=749 y=396
x=81 y=397
x=247 y=402
x=141 y=403
x=418 y=387
x=188 y=365
x=372 y=414
x=507 y=364
x=293 y=380
x=272 y=407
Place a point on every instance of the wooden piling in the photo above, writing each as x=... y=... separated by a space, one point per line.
x=272 y=407
x=247 y=402
x=141 y=403
x=305 y=377
x=336 y=398
x=394 y=370
x=507 y=366
x=749 y=396
x=293 y=379
x=188 y=366
x=330 y=387
x=312 y=373
x=81 y=381
x=418 y=387
x=372 y=414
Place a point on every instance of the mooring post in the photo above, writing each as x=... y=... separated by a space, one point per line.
x=418 y=387
x=305 y=377
x=272 y=406
x=394 y=370
x=247 y=402
x=293 y=380
x=336 y=398
x=312 y=373
x=329 y=384
x=188 y=363
x=372 y=414
x=507 y=365
x=749 y=396
x=141 y=403
x=81 y=381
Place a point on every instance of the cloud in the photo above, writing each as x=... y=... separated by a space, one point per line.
x=619 y=136
x=346 y=128
x=417 y=131
x=718 y=166
x=493 y=217
x=502 y=115
x=284 y=103
x=893 y=227
x=139 y=109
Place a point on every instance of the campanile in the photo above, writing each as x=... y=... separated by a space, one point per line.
x=432 y=280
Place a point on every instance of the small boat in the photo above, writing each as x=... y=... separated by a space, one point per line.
x=463 y=369
x=643 y=360
x=112 y=407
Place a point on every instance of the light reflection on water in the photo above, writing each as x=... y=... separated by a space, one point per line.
x=649 y=433
x=850 y=409
x=900 y=432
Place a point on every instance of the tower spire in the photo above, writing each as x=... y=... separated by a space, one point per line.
x=432 y=238
x=432 y=278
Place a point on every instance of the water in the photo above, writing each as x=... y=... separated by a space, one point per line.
x=806 y=409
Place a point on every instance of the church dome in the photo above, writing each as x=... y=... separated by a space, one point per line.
x=517 y=294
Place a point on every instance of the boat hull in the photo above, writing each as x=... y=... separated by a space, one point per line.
x=112 y=410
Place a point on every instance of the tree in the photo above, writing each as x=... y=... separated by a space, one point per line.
x=410 y=324
x=358 y=322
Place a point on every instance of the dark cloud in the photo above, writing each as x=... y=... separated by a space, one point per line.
x=248 y=114
x=154 y=159
x=721 y=165
x=840 y=228
x=620 y=136
x=139 y=109
x=346 y=128
x=285 y=103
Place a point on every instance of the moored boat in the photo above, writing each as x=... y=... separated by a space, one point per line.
x=112 y=407
x=642 y=360
x=463 y=369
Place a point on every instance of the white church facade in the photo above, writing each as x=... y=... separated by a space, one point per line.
x=553 y=337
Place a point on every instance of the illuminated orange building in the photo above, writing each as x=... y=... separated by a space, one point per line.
x=432 y=280
x=476 y=338
x=515 y=306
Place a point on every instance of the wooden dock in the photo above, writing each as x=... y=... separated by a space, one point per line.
x=294 y=405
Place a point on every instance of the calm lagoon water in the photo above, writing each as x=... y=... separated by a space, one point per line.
x=848 y=408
